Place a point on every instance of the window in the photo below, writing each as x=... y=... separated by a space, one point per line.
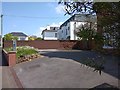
x=66 y=31
x=109 y=41
x=68 y=28
x=22 y=38
x=55 y=34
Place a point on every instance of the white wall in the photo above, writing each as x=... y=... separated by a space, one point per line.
x=59 y=34
x=25 y=38
x=70 y=32
x=64 y=32
x=49 y=36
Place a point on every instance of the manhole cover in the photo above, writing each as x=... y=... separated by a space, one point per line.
x=34 y=66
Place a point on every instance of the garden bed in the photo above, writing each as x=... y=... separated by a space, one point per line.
x=24 y=53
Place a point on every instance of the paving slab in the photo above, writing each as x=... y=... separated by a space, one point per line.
x=56 y=72
x=8 y=80
x=0 y=77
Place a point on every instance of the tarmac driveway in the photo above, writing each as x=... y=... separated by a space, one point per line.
x=58 y=69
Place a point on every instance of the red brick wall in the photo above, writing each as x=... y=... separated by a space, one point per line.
x=51 y=44
x=10 y=57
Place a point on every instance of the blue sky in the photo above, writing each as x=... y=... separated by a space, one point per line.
x=31 y=17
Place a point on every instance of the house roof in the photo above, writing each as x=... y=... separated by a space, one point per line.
x=18 y=34
x=52 y=29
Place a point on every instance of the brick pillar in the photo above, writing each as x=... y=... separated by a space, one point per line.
x=12 y=58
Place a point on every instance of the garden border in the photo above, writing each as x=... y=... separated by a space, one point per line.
x=10 y=57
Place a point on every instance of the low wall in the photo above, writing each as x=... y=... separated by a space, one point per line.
x=10 y=57
x=52 y=44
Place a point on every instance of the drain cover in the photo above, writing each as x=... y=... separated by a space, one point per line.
x=34 y=66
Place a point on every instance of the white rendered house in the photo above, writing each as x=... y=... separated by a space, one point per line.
x=68 y=28
x=20 y=35
x=50 y=33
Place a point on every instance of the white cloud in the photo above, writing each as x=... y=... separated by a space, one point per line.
x=42 y=28
x=56 y=24
x=59 y=9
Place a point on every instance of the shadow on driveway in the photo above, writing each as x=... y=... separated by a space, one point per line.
x=4 y=61
x=110 y=66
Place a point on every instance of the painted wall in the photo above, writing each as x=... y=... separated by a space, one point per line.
x=22 y=38
x=49 y=36
x=64 y=32
x=68 y=31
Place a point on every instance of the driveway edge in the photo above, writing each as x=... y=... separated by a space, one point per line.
x=19 y=84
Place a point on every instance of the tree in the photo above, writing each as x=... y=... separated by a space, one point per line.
x=34 y=38
x=85 y=32
x=15 y=38
x=109 y=21
x=39 y=38
x=10 y=37
x=77 y=6
x=31 y=38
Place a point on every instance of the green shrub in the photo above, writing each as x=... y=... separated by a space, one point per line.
x=23 y=51
x=9 y=49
